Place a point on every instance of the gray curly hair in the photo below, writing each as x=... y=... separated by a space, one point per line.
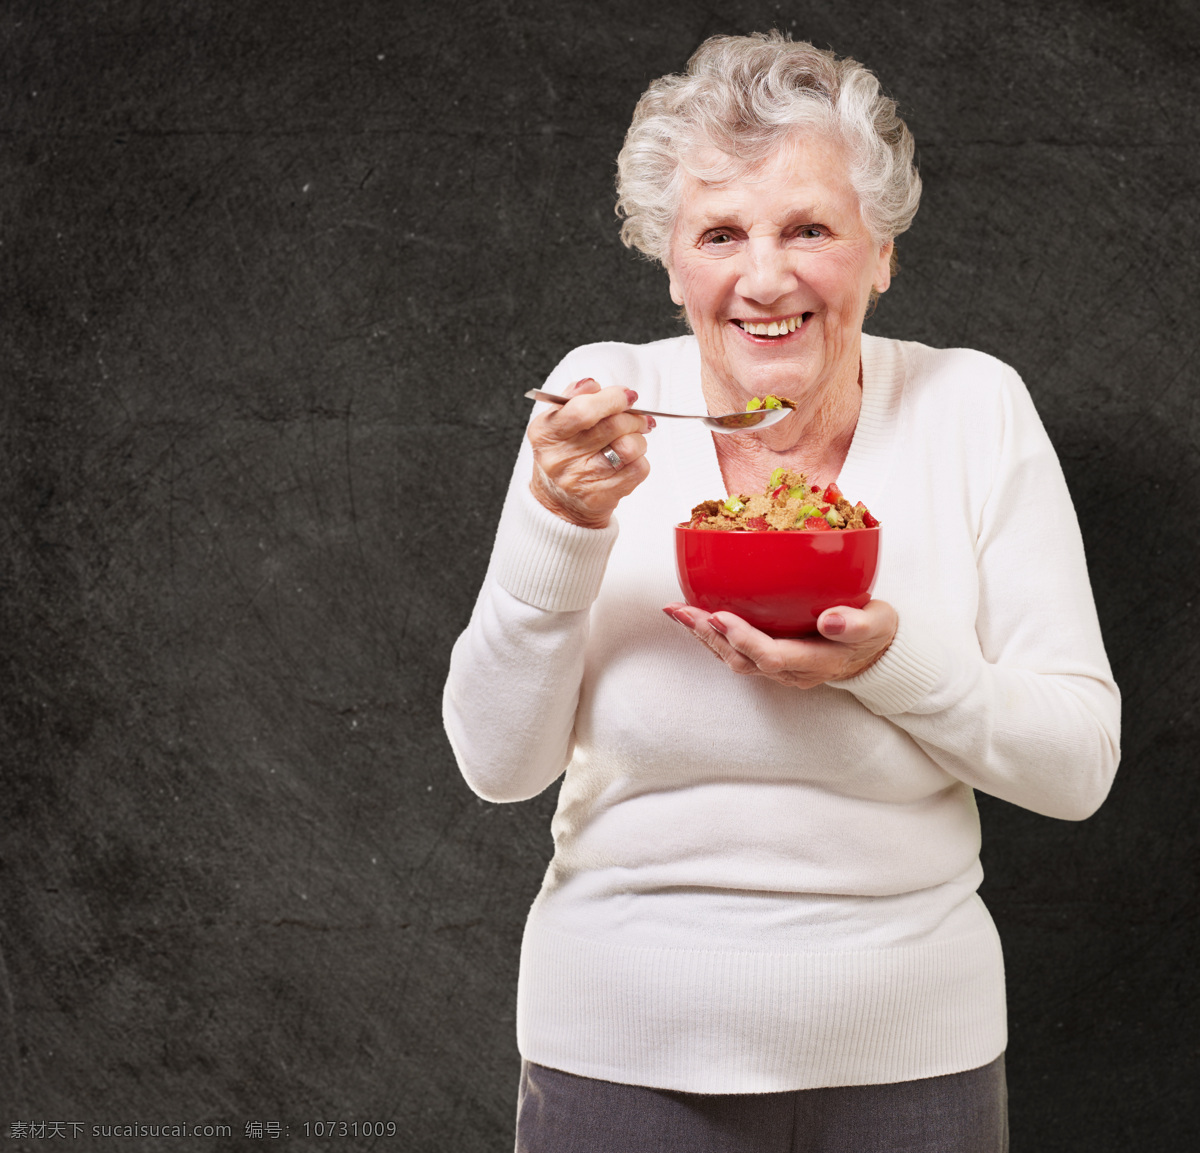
x=738 y=102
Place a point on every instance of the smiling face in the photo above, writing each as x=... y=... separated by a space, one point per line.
x=775 y=270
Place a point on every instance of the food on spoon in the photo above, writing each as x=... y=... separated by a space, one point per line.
x=750 y=416
x=768 y=401
x=788 y=504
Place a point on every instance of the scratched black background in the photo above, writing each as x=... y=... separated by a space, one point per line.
x=253 y=256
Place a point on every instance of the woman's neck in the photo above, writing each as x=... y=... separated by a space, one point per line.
x=814 y=439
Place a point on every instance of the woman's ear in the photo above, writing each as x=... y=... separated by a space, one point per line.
x=883 y=270
x=676 y=295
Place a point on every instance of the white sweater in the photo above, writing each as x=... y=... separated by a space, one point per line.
x=756 y=888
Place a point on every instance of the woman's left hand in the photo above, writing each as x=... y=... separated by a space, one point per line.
x=850 y=641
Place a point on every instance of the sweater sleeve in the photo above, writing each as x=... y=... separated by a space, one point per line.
x=1030 y=713
x=510 y=698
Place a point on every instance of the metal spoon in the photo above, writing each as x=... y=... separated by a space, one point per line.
x=754 y=421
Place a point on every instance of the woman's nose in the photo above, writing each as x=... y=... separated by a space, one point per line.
x=766 y=274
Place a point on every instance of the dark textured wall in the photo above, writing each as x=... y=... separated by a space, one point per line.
x=274 y=278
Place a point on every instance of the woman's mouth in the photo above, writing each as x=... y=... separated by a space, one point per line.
x=777 y=327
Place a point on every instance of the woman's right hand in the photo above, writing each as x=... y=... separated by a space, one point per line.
x=571 y=475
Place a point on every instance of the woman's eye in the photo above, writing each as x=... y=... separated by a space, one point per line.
x=718 y=238
x=810 y=234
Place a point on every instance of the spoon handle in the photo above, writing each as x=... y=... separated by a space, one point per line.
x=552 y=398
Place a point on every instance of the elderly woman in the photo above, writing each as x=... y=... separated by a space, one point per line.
x=760 y=928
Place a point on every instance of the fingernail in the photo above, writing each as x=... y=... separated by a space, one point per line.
x=719 y=625
x=632 y=395
x=679 y=616
x=651 y=423
x=833 y=625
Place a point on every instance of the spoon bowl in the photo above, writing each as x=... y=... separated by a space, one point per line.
x=754 y=421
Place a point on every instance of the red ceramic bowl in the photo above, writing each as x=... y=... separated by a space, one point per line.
x=779 y=582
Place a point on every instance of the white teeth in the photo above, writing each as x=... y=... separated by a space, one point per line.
x=774 y=328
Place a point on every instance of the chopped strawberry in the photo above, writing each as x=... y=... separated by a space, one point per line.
x=818 y=524
x=832 y=493
x=780 y=491
x=757 y=522
x=816 y=488
x=826 y=509
x=868 y=519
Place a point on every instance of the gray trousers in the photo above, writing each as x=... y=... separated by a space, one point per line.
x=959 y=1113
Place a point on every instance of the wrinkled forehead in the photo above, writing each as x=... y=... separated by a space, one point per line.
x=812 y=159
x=751 y=159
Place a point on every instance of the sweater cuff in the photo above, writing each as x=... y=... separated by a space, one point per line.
x=544 y=560
x=909 y=670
